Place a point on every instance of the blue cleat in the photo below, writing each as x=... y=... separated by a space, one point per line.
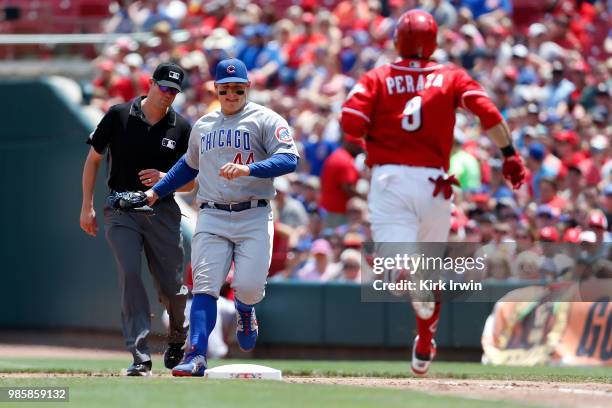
x=192 y=366
x=246 y=331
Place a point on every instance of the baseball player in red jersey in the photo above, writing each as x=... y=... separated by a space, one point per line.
x=405 y=111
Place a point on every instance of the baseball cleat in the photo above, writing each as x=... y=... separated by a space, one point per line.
x=246 y=330
x=139 y=369
x=173 y=355
x=420 y=364
x=193 y=366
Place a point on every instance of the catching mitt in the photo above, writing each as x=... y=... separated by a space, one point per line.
x=129 y=200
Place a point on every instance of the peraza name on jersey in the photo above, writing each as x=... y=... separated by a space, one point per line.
x=224 y=138
x=400 y=84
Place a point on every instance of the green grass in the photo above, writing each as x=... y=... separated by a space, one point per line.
x=388 y=369
x=196 y=392
x=158 y=391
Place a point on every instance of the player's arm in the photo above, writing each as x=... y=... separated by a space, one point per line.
x=179 y=175
x=150 y=177
x=278 y=142
x=357 y=109
x=274 y=166
x=478 y=102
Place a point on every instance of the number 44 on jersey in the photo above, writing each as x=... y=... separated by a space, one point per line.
x=238 y=159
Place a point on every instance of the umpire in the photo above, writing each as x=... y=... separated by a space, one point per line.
x=142 y=140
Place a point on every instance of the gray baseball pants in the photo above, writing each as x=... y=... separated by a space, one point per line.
x=222 y=237
x=159 y=235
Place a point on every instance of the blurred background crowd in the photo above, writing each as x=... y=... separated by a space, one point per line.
x=547 y=66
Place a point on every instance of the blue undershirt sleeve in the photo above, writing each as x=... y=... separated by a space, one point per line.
x=179 y=175
x=274 y=166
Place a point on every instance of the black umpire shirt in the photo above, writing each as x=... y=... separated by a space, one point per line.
x=135 y=144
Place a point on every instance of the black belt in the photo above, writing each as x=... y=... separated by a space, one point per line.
x=235 y=206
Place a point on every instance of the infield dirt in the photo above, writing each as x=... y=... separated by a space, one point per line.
x=540 y=393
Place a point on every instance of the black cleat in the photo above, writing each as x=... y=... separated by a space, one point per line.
x=173 y=355
x=139 y=369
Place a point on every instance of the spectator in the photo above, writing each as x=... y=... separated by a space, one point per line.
x=350 y=266
x=497 y=186
x=443 y=12
x=356 y=217
x=290 y=211
x=546 y=216
x=260 y=56
x=301 y=49
x=488 y=10
x=338 y=182
x=544 y=71
x=121 y=21
x=464 y=165
x=319 y=266
x=558 y=91
x=535 y=163
x=317 y=149
x=152 y=14
x=598 y=223
x=310 y=192
x=574 y=185
x=548 y=194
x=107 y=89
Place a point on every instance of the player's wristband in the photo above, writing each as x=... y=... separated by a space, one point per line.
x=508 y=151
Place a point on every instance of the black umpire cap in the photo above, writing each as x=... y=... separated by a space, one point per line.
x=169 y=74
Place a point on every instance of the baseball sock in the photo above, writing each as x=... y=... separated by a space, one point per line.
x=426 y=328
x=243 y=307
x=202 y=320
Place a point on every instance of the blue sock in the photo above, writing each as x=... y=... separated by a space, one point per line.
x=243 y=307
x=202 y=320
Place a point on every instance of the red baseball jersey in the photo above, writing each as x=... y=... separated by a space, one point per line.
x=406 y=111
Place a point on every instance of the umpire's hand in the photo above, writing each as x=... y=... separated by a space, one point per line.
x=149 y=177
x=232 y=170
x=88 y=221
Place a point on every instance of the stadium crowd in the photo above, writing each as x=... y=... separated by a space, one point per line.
x=548 y=68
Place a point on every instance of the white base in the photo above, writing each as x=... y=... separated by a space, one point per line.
x=243 y=372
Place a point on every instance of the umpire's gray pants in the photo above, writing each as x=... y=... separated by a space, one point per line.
x=159 y=234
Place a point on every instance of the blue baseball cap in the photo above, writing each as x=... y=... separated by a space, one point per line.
x=231 y=70
x=536 y=151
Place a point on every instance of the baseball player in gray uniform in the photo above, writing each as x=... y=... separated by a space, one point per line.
x=235 y=153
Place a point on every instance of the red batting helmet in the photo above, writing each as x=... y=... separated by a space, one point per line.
x=415 y=34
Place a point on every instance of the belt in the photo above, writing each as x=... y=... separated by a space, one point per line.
x=245 y=205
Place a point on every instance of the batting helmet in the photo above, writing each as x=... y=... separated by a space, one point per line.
x=415 y=34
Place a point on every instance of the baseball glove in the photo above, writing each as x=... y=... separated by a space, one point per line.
x=129 y=200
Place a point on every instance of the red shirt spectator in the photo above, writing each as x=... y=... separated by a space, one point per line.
x=338 y=178
x=131 y=87
x=301 y=49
